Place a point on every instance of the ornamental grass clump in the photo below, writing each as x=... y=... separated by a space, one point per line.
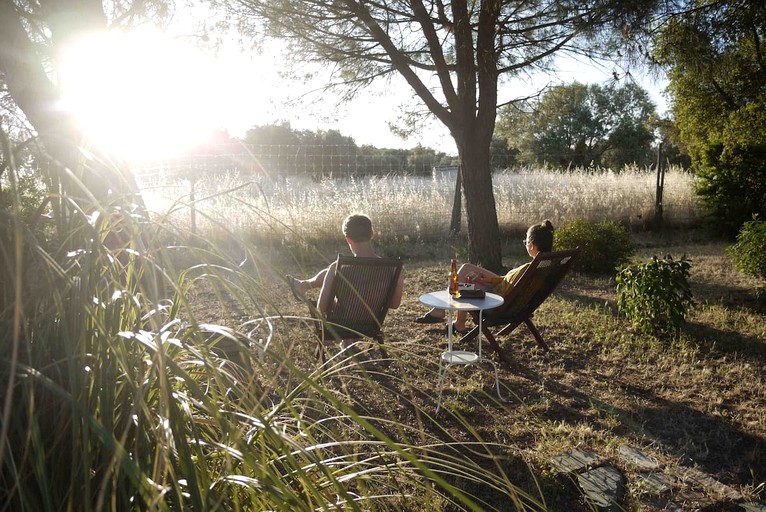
x=655 y=295
x=119 y=396
x=605 y=245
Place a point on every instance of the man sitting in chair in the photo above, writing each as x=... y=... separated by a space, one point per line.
x=539 y=239
x=357 y=228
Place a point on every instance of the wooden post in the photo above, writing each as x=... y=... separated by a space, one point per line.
x=658 y=191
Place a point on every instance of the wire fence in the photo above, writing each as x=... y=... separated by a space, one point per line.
x=279 y=205
x=315 y=161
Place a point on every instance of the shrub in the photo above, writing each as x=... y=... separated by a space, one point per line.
x=749 y=251
x=655 y=295
x=605 y=245
x=732 y=184
x=32 y=202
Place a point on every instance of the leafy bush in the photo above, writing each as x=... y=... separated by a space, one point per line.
x=732 y=184
x=655 y=295
x=31 y=198
x=749 y=251
x=605 y=245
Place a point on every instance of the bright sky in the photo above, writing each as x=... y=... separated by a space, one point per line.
x=366 y=118
x=144 y=96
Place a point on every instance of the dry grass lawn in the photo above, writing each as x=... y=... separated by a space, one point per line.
x=696 y=400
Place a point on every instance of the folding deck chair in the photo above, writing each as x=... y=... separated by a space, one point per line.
x=361 y=292
x=539 y=280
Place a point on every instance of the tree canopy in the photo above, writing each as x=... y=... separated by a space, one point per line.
x=714 y=56
x=584 y=126
x=328 y=153
x=714 y=59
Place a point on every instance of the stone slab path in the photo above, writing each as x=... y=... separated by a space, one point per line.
x=677 y=488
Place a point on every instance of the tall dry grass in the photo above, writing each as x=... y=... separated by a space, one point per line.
x=413 y=207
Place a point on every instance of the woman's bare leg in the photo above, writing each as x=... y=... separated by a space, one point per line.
x=482 y=277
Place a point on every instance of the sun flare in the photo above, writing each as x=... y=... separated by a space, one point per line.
x=141 y=95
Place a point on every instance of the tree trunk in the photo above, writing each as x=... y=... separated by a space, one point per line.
x=457 y=206
x=481 y=214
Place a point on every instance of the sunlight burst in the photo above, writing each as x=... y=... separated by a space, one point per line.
x=142 y=96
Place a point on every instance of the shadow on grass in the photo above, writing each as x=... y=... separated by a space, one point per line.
x=719 y=342
x=719 y=448
x=729 y=296
x=588 y=294
x=733 y=456
x=588 y=301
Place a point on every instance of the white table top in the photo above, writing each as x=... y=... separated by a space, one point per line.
x=443 y=300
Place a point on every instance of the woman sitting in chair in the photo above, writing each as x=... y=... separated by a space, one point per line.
x=539 y=239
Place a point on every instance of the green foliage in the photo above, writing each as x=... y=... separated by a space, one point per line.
x=674 y=151
x=717 y=77
x=581 y=125
x=421 y=161
x=328 y=153
x=749 y=251
x=382 y=162
x=713 y=59
x=732 y=184
x=500 y=155
x=605 y=245
x=31 y=200
x=655 y=295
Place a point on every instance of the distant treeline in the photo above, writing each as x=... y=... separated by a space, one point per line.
x=281 y=150
x=571 y=126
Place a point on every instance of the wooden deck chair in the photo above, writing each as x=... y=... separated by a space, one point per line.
x=361 y=292
x=539 y=280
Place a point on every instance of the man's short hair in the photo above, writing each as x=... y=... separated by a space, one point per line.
x=358 y=227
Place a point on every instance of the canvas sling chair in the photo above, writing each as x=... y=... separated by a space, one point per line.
x=360 y=295
x=538 y=281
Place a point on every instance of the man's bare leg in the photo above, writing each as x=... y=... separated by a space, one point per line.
x=299 y=287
